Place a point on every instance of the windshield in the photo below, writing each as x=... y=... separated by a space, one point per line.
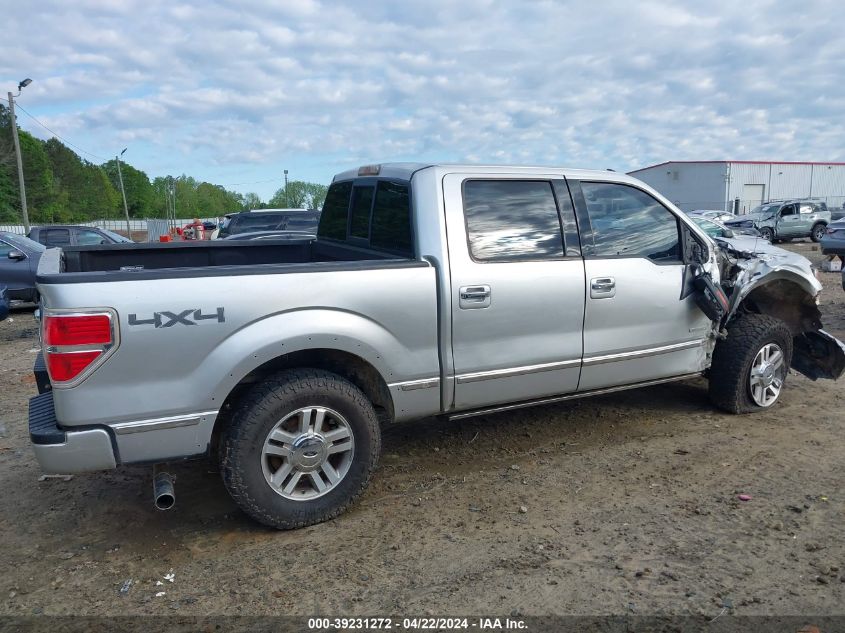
x=117 y=237
x=711 y=228
x=766 y=209
x=23 y=243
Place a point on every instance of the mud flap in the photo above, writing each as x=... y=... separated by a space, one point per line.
x=710 y=298
x=818 y=355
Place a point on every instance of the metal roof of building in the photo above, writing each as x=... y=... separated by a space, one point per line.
x=741 y=162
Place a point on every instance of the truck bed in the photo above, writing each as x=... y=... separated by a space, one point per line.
x=208 y=253
x=125 y=262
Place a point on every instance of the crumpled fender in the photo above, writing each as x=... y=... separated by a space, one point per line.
x=788 y=290
x=818 y=355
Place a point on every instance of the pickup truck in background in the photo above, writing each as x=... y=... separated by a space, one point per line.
x=430 y=290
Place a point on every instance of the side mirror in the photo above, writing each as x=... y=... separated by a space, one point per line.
x=727 y=233
x=16 y=256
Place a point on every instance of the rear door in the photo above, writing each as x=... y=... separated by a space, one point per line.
x=638 y=326
x=517 y=288
x=808 y=214
x=54 y=237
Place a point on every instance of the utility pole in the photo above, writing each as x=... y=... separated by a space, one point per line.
x=287 y=204
x=123 y=193
x=17 y=142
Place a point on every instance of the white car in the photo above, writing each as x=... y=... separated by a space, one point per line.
x=713 y=214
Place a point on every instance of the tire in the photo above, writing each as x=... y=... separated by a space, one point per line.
x=731 y=371
x=767 y=234
x=818 y=232
x=252 y=455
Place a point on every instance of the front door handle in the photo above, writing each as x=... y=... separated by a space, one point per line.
x=474 y=297
x=602 y=287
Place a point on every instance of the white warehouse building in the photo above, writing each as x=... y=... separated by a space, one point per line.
x=741 y=185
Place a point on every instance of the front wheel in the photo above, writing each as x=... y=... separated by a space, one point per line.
x=767 y=234
x=300 y=448
x=750 y=366
x=818 y=232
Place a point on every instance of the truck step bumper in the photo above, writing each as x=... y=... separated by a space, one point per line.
x=39 y=370
x=60 y=451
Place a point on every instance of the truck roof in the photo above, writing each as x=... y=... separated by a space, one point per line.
x=404 y=171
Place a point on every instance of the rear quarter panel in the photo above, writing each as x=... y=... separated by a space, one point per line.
x=385 y=316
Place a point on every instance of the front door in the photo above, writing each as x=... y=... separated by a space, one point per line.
x=16 y=274
x=636 y=325
x=789 y=221
x=517 y=291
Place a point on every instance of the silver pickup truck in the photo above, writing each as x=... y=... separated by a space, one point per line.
x=430 y=290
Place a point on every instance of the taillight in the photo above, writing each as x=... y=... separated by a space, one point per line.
x=77 y=330
x=75 y=343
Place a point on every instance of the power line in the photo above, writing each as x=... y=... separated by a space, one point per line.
x=64 y=140
x=254 y=182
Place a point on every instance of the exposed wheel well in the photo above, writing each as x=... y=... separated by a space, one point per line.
x=787 y=301
x=354 y=368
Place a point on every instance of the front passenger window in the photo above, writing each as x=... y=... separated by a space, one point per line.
x=627 y=222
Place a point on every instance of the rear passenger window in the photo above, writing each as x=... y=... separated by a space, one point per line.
x=333 y=220
x=512 y=220
x=627 y=222
x=391 y=226
x=54 y=237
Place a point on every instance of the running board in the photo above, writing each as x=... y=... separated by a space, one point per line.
x=572 y=396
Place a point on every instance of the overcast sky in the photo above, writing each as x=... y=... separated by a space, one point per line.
x=236 y=92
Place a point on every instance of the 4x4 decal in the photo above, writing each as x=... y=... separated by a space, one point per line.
x=185 y=317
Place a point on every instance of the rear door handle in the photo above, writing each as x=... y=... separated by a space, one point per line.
x=474 y=297
x=602 y=287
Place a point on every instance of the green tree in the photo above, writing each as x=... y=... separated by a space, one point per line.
x=251 y=201
x=139 y=191
x=9 y=194
x=43 y=203
x=299 y=195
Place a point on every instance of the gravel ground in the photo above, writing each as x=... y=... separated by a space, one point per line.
x=622 y=504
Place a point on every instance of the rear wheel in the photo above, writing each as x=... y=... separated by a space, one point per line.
x=750 y=365
x=300 y=449
x=818 y=232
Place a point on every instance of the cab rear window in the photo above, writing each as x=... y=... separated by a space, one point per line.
x=370 y=214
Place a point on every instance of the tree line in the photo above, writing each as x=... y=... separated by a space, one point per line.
x=63 y=188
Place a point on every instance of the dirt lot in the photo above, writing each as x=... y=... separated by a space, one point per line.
x=621 y=504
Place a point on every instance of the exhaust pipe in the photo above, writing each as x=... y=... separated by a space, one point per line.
x=164 y=494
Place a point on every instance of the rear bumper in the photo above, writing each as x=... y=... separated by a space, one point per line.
x=833 y=248
x=61 y=451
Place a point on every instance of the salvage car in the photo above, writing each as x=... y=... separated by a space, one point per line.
x=431 y=290
x=72 y=234
x=833 y=242
x=271 y=220
x=714 y=228
x=19 y=258
x=786 y=220
x=4 y=302
x=713 y=214
x=274 y=235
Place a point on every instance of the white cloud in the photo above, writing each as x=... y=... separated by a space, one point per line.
x=209 y=87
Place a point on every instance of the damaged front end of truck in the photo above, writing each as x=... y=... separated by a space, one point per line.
x=758 y=277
